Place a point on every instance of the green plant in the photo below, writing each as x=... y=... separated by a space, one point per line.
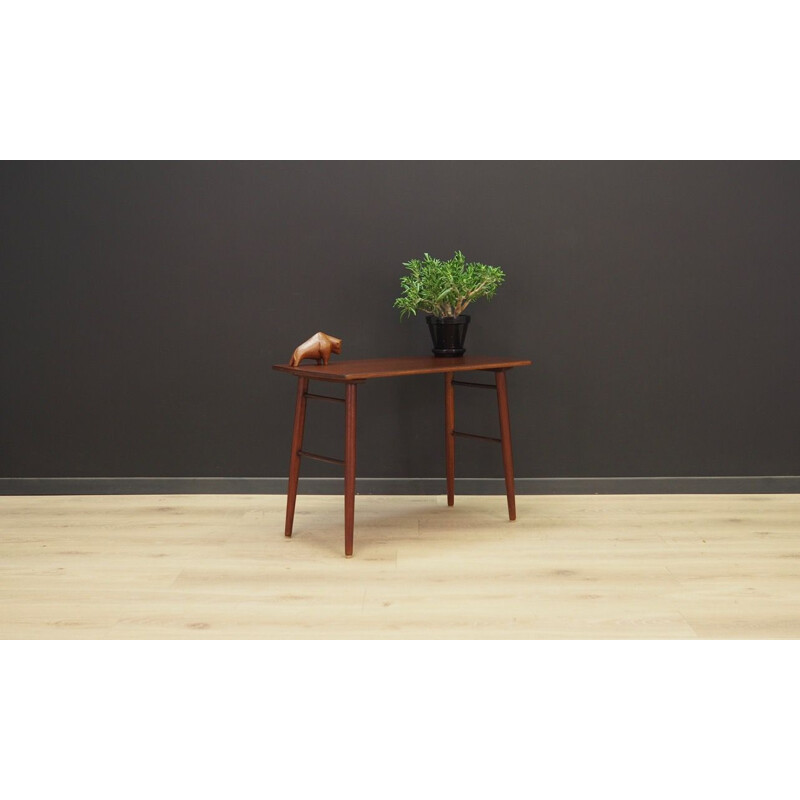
x=445 y=288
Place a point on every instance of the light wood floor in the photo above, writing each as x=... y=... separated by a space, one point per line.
x=570 y=567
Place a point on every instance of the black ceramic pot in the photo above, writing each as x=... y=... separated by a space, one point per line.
x=448 y=334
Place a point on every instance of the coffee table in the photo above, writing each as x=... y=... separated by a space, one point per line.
x=353 y=373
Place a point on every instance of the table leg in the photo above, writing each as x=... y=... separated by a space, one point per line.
x=349 y=466
x=449 y=439
x=505 y=441
x=297 y=446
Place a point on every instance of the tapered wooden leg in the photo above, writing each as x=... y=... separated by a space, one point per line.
x=505 y=441
x=349 y=466
x=449 y=439
x=297 y=446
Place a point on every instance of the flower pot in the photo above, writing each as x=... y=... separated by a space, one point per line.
x=448 y=334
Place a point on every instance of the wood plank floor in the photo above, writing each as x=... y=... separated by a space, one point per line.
x=570 y=567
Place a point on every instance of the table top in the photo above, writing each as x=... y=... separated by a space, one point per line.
x=364 y=368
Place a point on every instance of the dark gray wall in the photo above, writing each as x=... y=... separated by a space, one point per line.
x=142 y=304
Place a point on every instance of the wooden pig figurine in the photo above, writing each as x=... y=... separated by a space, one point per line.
x=319 y=346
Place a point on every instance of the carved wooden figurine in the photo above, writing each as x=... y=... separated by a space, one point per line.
x=319 y=346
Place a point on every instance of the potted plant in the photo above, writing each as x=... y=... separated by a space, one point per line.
x=444 y=289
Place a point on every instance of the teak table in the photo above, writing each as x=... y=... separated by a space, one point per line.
x=351 y=373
